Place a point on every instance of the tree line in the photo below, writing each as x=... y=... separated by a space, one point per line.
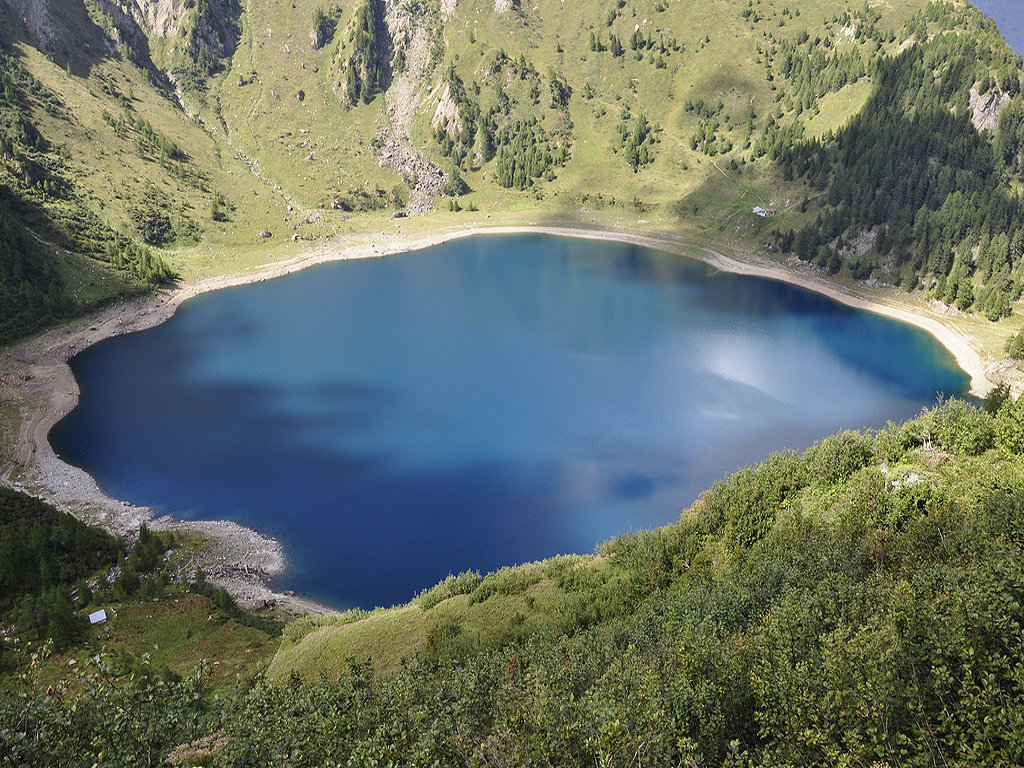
x=935 y=198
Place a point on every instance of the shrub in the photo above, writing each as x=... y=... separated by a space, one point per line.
x=507 y=581
x=958 y=427
x=748 y=501
x=835 y=458
x=463 y=584
x=1009 y=427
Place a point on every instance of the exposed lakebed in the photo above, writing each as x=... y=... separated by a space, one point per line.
x=477 y=404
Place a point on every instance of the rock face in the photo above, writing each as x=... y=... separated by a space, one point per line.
x=126 y=28
x=38 y=18
x=207 y=31
x=405 y=98
x=985 y=109
x=446 y=114
x=161 y=18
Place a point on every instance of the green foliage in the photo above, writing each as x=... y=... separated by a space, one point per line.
x=154 y=225
x=45 y=558
x=463 y=584
x=834 y=459
x=958 y=427
x=1015 y=345
x=41 y=548
x=507 y=122
x=746 y=503
x=37 y=205
x=141 y=572
x=941 y=195
x=995 y=399
x=363 y=199
x=811 y=610
x=638 y=138
x=112 y=713
x=1009 y=427
x=223 y=600
x=526 y=153
x=43 y=214
x=139 y=260
x=324 y=24
x=507 y=581
x=152 y=145
x=220 y=207
x=32 y=293
x=366 y=68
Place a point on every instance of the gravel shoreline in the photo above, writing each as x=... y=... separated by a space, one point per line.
x=37 y=389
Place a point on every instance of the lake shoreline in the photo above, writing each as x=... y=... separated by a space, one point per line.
x=36 y=379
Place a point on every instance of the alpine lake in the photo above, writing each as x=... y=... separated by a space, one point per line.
x=486 y=402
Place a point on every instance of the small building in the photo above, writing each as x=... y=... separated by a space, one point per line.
x=98 y=617
x=764 y=212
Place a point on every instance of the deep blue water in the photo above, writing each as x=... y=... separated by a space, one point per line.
x=1008 y=16
x=478 y=404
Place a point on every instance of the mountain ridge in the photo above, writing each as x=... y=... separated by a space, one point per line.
x=637 y=100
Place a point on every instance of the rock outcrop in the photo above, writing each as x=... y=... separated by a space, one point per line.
x=985 y=108
x=38 y=19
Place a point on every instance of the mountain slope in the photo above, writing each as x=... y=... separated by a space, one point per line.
x=241 y=110
x=859 y=604
x=223 y=134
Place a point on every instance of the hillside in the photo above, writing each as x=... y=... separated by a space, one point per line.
x=55 y=570
x=859 y=604
x=856 y=605
x=150 y=141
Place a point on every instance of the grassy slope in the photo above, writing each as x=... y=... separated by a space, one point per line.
x=307 y=153
x=543 y=598
x=253 y=106
x=277 y=47
x=176 y=632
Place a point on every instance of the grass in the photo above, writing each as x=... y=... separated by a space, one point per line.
x=280 y=161
x=519 y=601
x=569 y=594
x=311 y=151
x=176 y=632
x=836 y=109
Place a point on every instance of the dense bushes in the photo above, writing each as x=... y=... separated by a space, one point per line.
x=463 y=584
x=860 y=603
x=746 y=503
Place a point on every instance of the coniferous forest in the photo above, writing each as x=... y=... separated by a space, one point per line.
x=911 y=177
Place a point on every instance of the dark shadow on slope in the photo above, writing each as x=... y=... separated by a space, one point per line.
x=63 y=32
